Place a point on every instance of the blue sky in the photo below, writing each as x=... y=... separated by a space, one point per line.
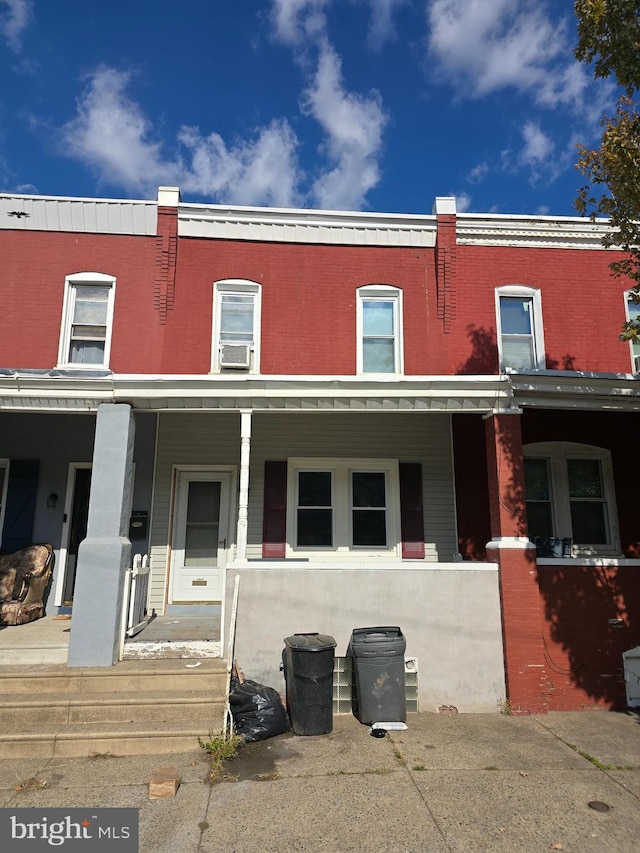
x=338 y=104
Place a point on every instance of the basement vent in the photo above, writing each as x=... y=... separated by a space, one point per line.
x=235 y=355
x=343 y=681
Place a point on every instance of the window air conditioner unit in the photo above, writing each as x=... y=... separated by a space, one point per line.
x=235 y=355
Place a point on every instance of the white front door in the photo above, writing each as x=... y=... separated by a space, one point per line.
x=200 y=537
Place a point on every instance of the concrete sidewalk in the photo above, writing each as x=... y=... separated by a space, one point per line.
x=470 y=783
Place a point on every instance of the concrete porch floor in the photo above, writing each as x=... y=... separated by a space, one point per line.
x=46 y=640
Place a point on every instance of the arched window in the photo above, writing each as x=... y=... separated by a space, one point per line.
x=520 y=329
x=236 y=326
x=379 y=329
x=87 y=318
x=570 y=495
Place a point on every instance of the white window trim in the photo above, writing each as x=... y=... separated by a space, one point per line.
x=341 y=469
x=557 y=452
x=537 y=328
x=4 y=488
x=71 y=282
x=386 y=293
x=635 y=367
x=240 y=286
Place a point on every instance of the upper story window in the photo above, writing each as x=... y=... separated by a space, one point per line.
x=379 y=329
x=344 y=506
x=570 y=495
x=236 y=326
x=520 y=330
x=633 y=313
x=4 y=482
x=87 y=318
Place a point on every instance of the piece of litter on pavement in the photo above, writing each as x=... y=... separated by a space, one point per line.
x=389 y=727
x=193 y=665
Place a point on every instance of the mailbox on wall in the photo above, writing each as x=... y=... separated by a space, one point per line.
x=138 y=524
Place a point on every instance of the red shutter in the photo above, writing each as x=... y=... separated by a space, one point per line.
x=411 y=513
x=274 y=519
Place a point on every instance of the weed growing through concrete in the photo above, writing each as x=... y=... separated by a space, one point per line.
x=491 y=767
x=93 y=756
x=399 y=754
x=30 y=784
x=220 y=749
x=419 y=767
x=596 y=761
x=505 y=706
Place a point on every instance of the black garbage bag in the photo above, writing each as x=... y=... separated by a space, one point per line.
x=257 y=710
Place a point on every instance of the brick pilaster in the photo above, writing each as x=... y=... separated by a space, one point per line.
x=522 y=611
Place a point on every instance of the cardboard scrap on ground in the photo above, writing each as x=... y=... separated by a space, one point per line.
x=163 y=783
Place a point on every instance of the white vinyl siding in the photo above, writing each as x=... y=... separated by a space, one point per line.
x=200 y=439
x=405 y=437
x=186 y=439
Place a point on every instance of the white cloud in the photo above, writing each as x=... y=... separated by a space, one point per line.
x=483 y=47
x=112 y=136
x=353 y=125
x=381 y=27
x=14 y=19
x=539 y=155
x=263 y=171
x=463 y=202
x=296 y=21
x=478 y=173
x=538 y=146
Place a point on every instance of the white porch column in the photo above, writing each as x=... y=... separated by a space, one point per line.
x=243 y=495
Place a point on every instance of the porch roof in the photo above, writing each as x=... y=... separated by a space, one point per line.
x=66 y=391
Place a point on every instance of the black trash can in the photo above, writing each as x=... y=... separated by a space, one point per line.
x=378 y=664
x=308 y=670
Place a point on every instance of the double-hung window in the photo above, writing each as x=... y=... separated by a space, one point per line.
x=4 y=482
x=633 y=313
x=379 y=324
x=344 y=506
x=87 y=318
x=520 y=330
x=570 y=495
x=236 y=326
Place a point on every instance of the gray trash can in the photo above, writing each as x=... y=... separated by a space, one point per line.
x=378 y=665
x=308 y=670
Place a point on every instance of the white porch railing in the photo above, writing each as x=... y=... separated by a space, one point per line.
x=134 y=601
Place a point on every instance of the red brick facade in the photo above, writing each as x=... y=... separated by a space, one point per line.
x=564 y=626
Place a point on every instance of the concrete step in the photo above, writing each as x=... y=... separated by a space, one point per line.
x=133 y=676
x=134 y=707
x=150 y=707
x=94 y=739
